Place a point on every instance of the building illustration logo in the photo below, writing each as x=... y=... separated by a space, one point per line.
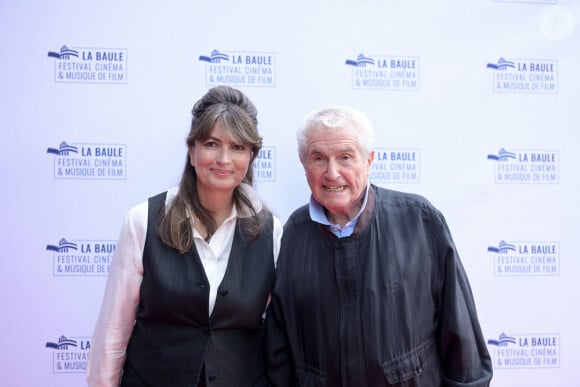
x=385 y=72
x=90 y=65
x=502 y=64
x=526 y=166
x=503 y=341
x=502 y=248
x=63 y=343
x=64 y=149
x=519 y=75
x=69 y=355
x=62 y=247
x=64 y=53
x=240 y=68
x=214 y=57
x=502 y=155
x=88 y=161
x=525 y=351
x=361 y=61
x=526 y=258
x=81 y=258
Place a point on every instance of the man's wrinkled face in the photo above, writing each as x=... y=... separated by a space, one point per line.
x=336 y=171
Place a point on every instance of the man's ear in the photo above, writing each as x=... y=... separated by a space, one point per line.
x=371 y=157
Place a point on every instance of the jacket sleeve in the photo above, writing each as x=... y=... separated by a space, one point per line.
x=280 y=364
x=279 y=357
x=463 y=350
x=118 y=309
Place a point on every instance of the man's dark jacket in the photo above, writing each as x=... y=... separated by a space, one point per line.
x=388 y=306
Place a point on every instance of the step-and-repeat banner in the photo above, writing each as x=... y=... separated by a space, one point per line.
x=475 y=105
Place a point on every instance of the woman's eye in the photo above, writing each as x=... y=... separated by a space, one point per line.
x=210 y=144
x=238 y=147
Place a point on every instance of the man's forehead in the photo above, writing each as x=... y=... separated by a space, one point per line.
x=332 y=145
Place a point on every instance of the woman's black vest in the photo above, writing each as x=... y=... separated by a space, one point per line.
x=174 y=336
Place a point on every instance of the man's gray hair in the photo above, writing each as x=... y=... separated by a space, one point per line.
x=337 y=116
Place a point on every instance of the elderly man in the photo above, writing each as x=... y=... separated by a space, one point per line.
x=370 y=290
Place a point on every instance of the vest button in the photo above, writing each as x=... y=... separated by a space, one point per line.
x=224 y=293
x=211 y=378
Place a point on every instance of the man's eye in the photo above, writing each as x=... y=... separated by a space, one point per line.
x=317 y=161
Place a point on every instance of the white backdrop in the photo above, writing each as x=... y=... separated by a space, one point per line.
x=475 y=105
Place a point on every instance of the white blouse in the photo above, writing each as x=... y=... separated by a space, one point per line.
x=121 y=299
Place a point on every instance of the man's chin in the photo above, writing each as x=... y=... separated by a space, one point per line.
x=333 y=204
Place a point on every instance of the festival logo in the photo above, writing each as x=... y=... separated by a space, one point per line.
x=396 y=166
x=89 y=161
x=70 y=355
x=240 y=68
x=90 y=65
x=526 y=258
x=385 y=72
x=525 y=351
x=265 y=164
x=525 y=75
x=526 y=166
x=82 y=258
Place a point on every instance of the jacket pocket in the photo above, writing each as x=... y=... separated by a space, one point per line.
x=411 y=364
x=309 y=377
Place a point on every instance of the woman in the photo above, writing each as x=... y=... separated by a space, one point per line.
x=193 y=268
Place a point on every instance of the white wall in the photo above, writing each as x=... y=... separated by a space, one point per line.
x=447 y=114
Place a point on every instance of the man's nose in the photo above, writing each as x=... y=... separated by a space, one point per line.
x=332 y=169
